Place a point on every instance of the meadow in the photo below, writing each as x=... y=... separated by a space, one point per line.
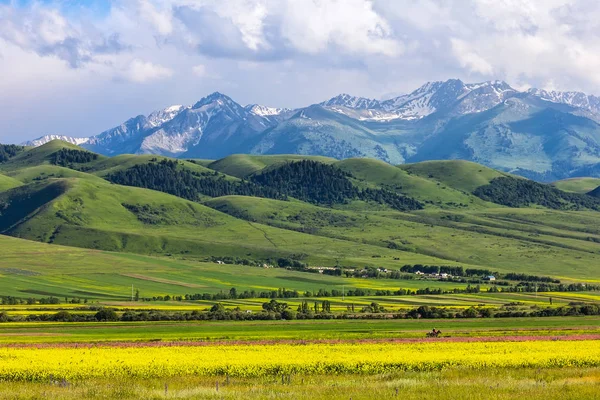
x=307 y=330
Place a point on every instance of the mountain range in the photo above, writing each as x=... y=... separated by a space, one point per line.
x=539 y=134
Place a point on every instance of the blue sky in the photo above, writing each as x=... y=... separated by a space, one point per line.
x=80 y=67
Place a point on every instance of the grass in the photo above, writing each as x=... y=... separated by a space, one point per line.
x=578 y=185
x=61 y=206
x=36 y=156
x=379 y=173
x=31 y=269
x=6 y=182
x=547 y=246
x=458 y=174
x=308 y=330
x=44 y=172
x=243 y=165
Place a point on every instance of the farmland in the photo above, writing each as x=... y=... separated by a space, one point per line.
x=241 y=285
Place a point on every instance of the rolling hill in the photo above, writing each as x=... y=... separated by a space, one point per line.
x=578 y=185
x=313 y=210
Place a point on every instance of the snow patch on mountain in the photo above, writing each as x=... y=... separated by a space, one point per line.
x=349 y=101
x=265 y=111
x=575 y=99
x=48 y=138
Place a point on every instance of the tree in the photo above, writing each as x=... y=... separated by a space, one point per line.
x=233 y=293
x=62 y=316
x=288 y=314
x=217 y=308
x=275 y=306
x=137 y=295
x=107 y=314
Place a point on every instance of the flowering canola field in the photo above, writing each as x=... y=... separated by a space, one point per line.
x=78 y=363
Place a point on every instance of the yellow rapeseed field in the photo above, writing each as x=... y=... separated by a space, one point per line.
x=76 y=363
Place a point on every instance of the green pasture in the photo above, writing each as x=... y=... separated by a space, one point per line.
x=30 y=269
x=501 y=239
x=51 y=332
x=578 y=185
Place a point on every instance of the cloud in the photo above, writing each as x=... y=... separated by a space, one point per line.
x=272 y=29
x=45 y=31
x=281 y=52
x=469 y=58
x=143 y=71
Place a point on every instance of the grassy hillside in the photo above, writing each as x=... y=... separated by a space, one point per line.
x=91 y=214
x=458 y=174
x=6 y=182
x=243 y=165
x=578 y=185
x=31 y=269
x=73 y=205
x=43 y=172
x=41 y=155
x=111 y=165
x=504 y=240
x=376 y=172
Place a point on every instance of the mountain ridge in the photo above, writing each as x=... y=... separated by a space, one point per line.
x=544 y=135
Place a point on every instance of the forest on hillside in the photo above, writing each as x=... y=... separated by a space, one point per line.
x=8 y=151
x=324 y=184
x=516 y=192
x=165 y=176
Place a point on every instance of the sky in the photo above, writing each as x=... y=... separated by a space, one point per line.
x=79 y=67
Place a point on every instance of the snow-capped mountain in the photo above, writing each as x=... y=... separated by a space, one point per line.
x=349 y=101
x=265 y=111
x=575 y=99
x=537 y=133
x=45 y=139
x=428 y=99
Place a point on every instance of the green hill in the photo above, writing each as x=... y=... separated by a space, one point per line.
x=42 y=155
x=379 y=173
x=43 y=172
x=244 y=165
x=320 y=211
x=503 y=239
x=458 y=174
x=6 y=182
x=90 y=214
x=578 y=185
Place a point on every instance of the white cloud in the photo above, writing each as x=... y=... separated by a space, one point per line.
x=469 y=58
x=143 y=71
x=160 y=19
x=349 y=25
x=281 y=52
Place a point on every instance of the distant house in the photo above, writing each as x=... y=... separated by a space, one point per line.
x=420 y=273
x=220 y=262
x=491 y=278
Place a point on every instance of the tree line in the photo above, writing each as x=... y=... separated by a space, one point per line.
x=274 y=310
x=68 y=157
x=8 y=151
x=516 y=192
x=164 y=176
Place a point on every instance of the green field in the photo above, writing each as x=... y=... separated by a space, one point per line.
x=257 y=331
